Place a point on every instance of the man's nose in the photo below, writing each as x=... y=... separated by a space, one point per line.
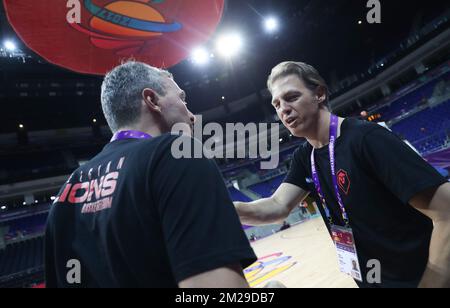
x=285 y=109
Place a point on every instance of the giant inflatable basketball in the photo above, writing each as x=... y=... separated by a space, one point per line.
x=93 y=36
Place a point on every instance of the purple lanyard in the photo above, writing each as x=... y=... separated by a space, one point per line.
x=130 y=134
x=334 y=123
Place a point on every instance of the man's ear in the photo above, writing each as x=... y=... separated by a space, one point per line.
x=151 y=100
x=321 y=94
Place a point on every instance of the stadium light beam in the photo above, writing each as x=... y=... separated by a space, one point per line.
x=271 y=24
x=200 y=56
x=229 y=45
x=9 y=45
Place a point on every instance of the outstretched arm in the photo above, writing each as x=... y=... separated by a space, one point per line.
x=271 y=210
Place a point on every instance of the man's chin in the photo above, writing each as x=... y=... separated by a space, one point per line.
x=296 y=132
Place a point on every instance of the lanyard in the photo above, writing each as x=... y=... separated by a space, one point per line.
x=334 y=123
x=130 y=134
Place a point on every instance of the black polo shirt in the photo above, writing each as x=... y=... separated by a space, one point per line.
x=134 y=216
x=378 y=175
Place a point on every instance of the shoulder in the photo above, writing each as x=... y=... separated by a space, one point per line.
x=361 y=132
x=178 y=150
x=163 y=144
x=361 y=128
x=162 y=141
x=302 y=152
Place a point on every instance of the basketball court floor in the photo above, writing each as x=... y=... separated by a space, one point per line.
x=300 y=257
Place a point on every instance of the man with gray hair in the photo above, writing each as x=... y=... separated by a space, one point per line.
x=134 y=216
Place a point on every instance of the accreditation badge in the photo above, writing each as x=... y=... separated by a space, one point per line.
x=346 y=251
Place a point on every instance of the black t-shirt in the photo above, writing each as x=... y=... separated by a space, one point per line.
x=134 y=216
x=377 y=175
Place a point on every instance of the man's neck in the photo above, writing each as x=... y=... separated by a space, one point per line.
x=320 y=135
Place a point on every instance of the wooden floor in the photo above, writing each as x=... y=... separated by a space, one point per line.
x=300 y=257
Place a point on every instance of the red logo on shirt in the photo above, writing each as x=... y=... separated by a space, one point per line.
x=343 y=181
x=96 y=192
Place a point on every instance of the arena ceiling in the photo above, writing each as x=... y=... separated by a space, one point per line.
x=334 y=36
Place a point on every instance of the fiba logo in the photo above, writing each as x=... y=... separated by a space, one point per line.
x=74 y=6
x=127 y=18
x=123 y=26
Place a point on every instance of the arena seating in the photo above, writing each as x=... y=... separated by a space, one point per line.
x=26 y=226
x=428 y=129
x=22 y=256
x=266 y=189
x=409 y=101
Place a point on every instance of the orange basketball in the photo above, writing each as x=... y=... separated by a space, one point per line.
x=129 y=9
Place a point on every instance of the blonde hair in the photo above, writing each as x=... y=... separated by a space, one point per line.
x=304 y=71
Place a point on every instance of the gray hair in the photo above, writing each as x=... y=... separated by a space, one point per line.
x=122 y=88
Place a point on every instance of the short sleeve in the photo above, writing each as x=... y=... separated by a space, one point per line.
x=297 y=174
x=397 y=166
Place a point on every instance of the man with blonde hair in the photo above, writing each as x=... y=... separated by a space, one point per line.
x=382 y=203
